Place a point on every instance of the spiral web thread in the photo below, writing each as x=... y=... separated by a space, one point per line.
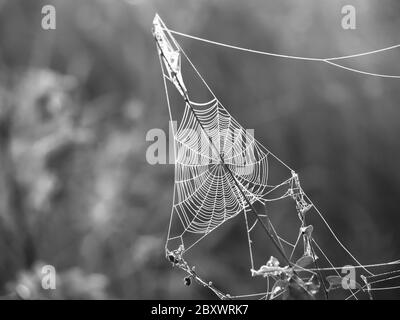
x=206 y=196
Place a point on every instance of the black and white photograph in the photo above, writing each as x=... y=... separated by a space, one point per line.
x=199 y=150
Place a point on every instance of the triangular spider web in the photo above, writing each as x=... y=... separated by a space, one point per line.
x=206 y=195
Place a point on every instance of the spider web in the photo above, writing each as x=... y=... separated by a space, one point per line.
x=222 y=171
x=206 y=194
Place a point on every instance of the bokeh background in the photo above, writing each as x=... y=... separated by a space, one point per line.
x=76 y=103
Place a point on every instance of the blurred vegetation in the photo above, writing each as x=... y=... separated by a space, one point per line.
x=76 y=104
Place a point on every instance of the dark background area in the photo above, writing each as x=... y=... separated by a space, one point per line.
x=76 y=103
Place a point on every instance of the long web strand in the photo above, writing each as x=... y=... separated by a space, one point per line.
x=335 y=236
x=285 y=56
x=173 y=131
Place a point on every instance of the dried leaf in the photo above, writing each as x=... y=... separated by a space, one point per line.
x=303 y=262
x=335 y=282
x=307 y=230
x=279 y=286
x=297 y=290
x=313 y=285
x=270 y=268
